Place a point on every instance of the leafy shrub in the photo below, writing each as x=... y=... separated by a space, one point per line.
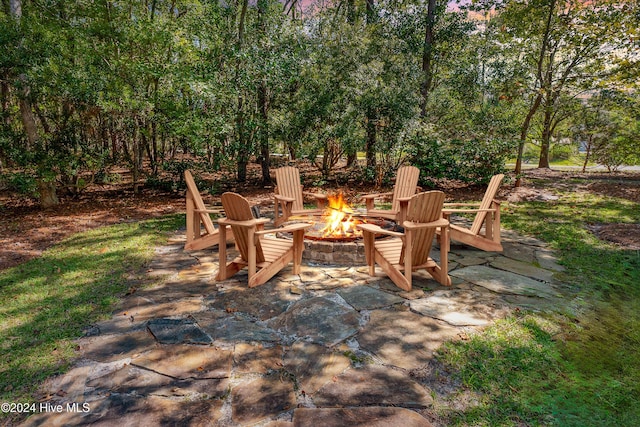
x=176 y=168
x=105 y=177
x=158 y=183
x=531 y=153
x=563 y=151
x=468 y=161
x=22 y=183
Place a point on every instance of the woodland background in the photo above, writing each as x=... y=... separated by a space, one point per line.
x=159 y=86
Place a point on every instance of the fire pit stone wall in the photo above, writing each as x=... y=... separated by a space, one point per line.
x=334 y=253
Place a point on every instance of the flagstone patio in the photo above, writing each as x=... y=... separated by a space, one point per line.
x=331 y=346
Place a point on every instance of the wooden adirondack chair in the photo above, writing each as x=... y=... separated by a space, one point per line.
x=406 y=252
x=263 y=256
x=197 y=218
x=289 y=196
x=485 y=230
x=405 y=187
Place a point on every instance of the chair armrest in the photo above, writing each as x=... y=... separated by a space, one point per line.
x=448 y=205
x=371 y=228
x=410 y=225
x=450 y=211
x=404 y=199
x=288 y=228
x=211 y=211
x=376 y=195
x=248 y=223
x=315 y=195
x=283 y=198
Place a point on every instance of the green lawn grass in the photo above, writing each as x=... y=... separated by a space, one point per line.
x=47 y=302
x=578 y=368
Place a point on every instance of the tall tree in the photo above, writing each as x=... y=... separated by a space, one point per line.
x=567 y=45
x=427 y=55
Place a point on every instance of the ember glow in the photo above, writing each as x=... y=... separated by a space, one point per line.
x=338 y=219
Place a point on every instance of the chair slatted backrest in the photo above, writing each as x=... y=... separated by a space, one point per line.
x=424 y=207
x=406 y=184
x=237 y=208
x=489 y=195
x=288 y=182
x=198 y=202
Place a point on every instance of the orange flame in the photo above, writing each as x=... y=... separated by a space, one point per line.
x=338 y=218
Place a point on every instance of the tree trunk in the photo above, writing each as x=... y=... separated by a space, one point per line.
x=46 y=187
x=4 y=100
x=243 y=149
x=427 y=56
x=587 y=154
x=538 y=99
x=265 y=162
x=371 y=16
x=524 y=131
x=28 y=122
x=352 y=156
x=47 y=191
x=370 y=143
x=263 y=104
x=15 y=8
x=546 y=134
x=242 y=140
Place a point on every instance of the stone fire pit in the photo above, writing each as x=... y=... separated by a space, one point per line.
x=334 y=253
x=336 y=250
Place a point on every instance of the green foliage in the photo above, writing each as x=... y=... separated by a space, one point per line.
x=21 y=183
x=468 y=161
x=563 y=152
x=140 y=84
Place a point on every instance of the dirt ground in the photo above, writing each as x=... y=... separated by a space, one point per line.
x=27 y=230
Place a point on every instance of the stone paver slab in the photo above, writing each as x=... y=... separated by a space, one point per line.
x=460 y=308
x=504 y=282
x=519 y=252
x=314 y=365
x=260 y=398
x=264 y=302
x=330 y=283
x=402 y=338
x=109 y=348
x=374 y=416
x=134 y=380
x=234 y=328
x=312 y=274
x=547 y=259
x=523 y=269
x=187 y=361
x=144 y=309
x=320 y=319
x=71 y=384
x=248 y=358
x=372 y=386
x=177 y=331
x=366 y=298
x=129 y=410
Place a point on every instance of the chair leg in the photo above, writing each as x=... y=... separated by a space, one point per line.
x=369 y=250
x=298 y=247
